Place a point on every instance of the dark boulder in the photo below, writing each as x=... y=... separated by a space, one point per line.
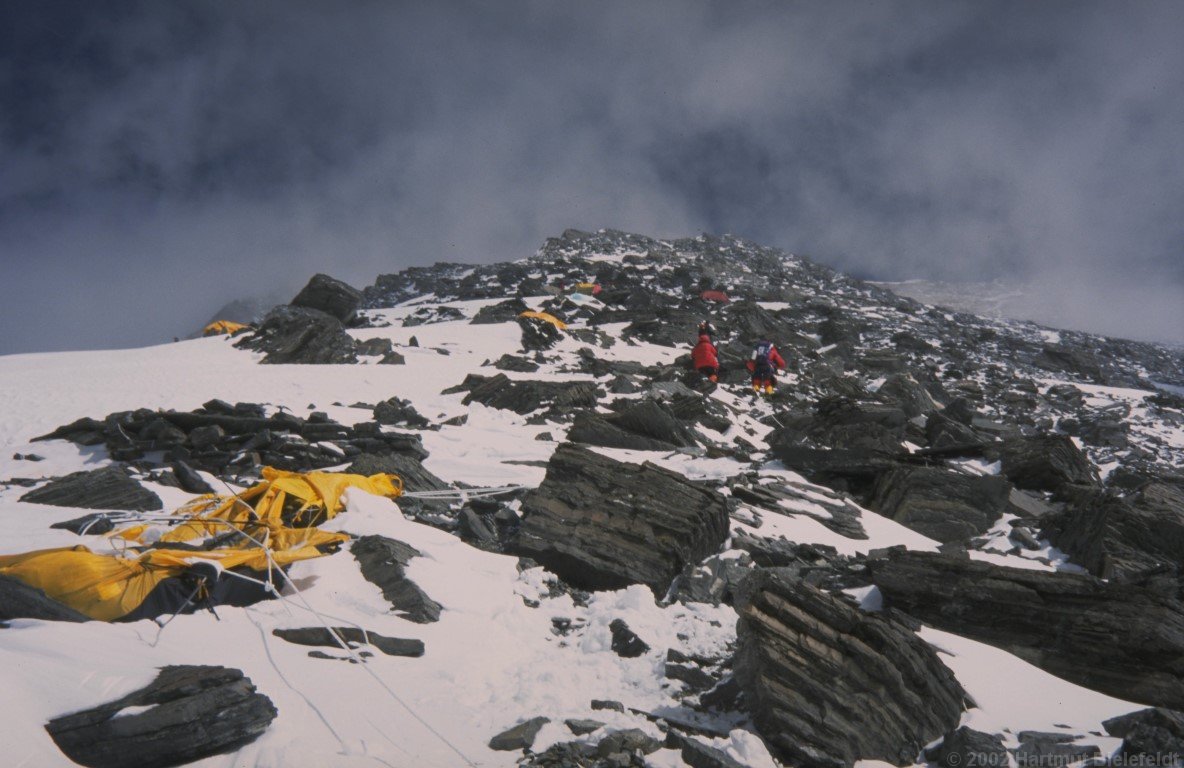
x=330 y=296
x=1114 y=536
x=943 y=505
x=1124 y=640
x=351 y=636
x=1075 y=360
x=526 y=396
x=1150 y=737
x=1046 y=463
x=967 y=747
x=502 y=312
x=516 y=363
x=474 y=529
x=626 y=643
x=646 y=425
x=429 y=315
x=107 y=488
x=591 y=428
x=399 y=412
x=20 y=601
x=905 y=392
x=1039 y=748
x=520 y=736
x=699 y=755
x=188 y=479
x=300 y=335
x=383 y=562
x=944 y=433
x=189 y=713
x=375 y=347
x=829 y=684
x=844 y=443
x=409 y=468
x=627 y=743
x=605 y=524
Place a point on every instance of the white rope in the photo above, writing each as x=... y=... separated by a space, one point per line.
x=350 y=651
x=463 y=493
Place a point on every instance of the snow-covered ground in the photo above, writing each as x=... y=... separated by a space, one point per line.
x=492 y=660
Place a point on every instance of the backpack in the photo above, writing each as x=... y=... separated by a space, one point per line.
x=760 y=357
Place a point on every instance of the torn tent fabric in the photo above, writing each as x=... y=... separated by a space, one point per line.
x=155 y=582
x=267 y=526
x=283 y=506
x=223 y=327
x=546 y=318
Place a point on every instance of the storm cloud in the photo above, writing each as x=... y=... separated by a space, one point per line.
x=157 y=160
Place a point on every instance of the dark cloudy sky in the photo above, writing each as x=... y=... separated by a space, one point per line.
x=158 y=159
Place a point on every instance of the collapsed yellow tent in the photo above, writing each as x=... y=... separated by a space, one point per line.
x=282 y=507
x=110 y=587
x=274 y=517
x=555 y=321
x=220 y=327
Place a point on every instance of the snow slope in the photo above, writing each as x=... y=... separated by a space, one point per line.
x=491 y=661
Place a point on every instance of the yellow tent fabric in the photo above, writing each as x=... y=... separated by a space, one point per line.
x=555 y=321
x=109 y=587
x=219 y=327
x=317 y=496
x=106 y=587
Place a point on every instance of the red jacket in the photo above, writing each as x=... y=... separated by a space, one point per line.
x=704 y=354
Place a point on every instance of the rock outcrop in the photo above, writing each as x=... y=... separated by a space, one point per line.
x=526 y=396
x=965 y=747
x=646 y=425
x=1125 y=640
x=1150 y=737
x=384 y=562
x=828 y=684
x=107 y=488
x=605 y=524
x=1046 y=463
x=20 y=601
x=226 y=439
x=943 y=505
x=291 y=334
x=1113 y=536
x=185 y=714
x=330 y=296
x=351 y=636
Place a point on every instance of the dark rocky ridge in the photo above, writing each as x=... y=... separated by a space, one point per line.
x=235 y=440
x=1126 y=640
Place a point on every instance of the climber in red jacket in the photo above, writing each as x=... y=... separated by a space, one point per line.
x=764 y=364
x=705 y=358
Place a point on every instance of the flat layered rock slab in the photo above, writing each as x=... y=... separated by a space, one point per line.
x=829 y=684
x=1124 y=640
x=107 y=488
x=605 y=524
x=185 y=714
